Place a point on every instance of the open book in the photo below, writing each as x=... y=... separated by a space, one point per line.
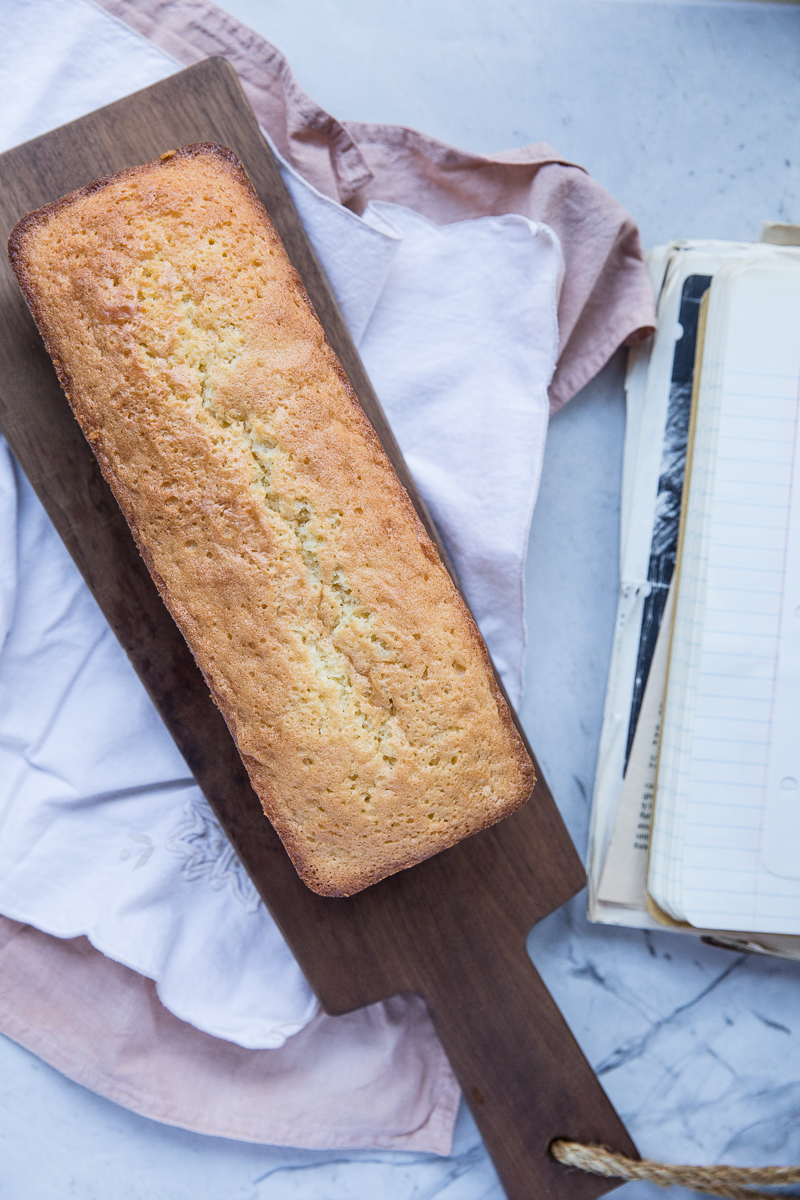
x=696 y=814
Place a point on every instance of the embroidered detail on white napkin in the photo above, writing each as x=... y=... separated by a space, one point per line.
x=207 y=854
x=102 y=831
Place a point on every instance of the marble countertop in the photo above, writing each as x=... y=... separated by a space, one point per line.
x=690 y=114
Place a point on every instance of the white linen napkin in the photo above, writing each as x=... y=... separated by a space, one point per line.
x=456 y=325
x=102 y=830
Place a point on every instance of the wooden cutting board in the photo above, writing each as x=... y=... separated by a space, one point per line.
x=451 y=929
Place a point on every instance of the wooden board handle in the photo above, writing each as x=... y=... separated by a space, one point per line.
x=522 y=1072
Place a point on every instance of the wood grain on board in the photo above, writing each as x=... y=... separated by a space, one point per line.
x=451 y=929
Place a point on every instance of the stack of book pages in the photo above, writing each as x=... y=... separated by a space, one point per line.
x=696 y=812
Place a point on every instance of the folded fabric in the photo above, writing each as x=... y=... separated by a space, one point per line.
x=151 y=878
x=605 y=298
x=375 y=1078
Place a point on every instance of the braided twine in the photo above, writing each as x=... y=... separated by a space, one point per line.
x=732 y=1183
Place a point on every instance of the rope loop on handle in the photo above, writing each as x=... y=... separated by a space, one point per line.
x=731 y=1183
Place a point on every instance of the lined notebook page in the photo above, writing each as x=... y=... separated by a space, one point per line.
x=730 y=713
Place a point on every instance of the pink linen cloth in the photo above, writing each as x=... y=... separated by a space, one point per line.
x=378 y=1077
x=606 y=298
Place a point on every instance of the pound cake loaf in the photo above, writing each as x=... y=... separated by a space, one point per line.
x=343 y=659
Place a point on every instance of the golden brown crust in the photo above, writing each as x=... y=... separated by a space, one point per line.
x=344 y=661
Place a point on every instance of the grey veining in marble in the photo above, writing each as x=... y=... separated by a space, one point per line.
x=689 y=114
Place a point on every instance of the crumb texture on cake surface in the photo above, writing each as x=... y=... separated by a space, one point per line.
x=345 y=662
